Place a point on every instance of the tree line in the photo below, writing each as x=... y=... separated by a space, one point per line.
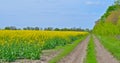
x=46 y=29
x=109 y=23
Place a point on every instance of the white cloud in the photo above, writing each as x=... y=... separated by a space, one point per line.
x=93 y=3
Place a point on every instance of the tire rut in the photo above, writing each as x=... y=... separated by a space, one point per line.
x=103 y=56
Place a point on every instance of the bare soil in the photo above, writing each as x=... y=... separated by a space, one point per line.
x=78 y=54
x=103 y=56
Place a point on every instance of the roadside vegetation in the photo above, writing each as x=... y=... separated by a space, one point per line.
x=112 y=44
x=107 y=29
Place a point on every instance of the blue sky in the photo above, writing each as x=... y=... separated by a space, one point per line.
x=52 y=13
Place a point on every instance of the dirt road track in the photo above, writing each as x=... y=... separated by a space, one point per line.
x=103 y=56
x=79 y=53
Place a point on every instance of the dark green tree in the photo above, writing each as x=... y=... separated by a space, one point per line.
x=10 y=28
x=7 y=28
x=56 y=29
x=37 y=28
x=48 y=29
x=117 y=2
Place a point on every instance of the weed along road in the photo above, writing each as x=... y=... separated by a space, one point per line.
x=78 y=54
x=103 y=56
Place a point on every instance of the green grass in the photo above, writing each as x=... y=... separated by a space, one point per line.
x=66 y=50
x=112 y=44
x=91 y=54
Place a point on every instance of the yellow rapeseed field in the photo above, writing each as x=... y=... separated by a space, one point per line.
x=20 y=44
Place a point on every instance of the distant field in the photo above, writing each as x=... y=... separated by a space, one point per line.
x=29 y=44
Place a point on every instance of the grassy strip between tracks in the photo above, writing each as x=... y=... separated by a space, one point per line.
x=91 y=53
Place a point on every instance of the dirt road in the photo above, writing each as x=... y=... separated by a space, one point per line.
x=103 y=56
x=79 y=53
